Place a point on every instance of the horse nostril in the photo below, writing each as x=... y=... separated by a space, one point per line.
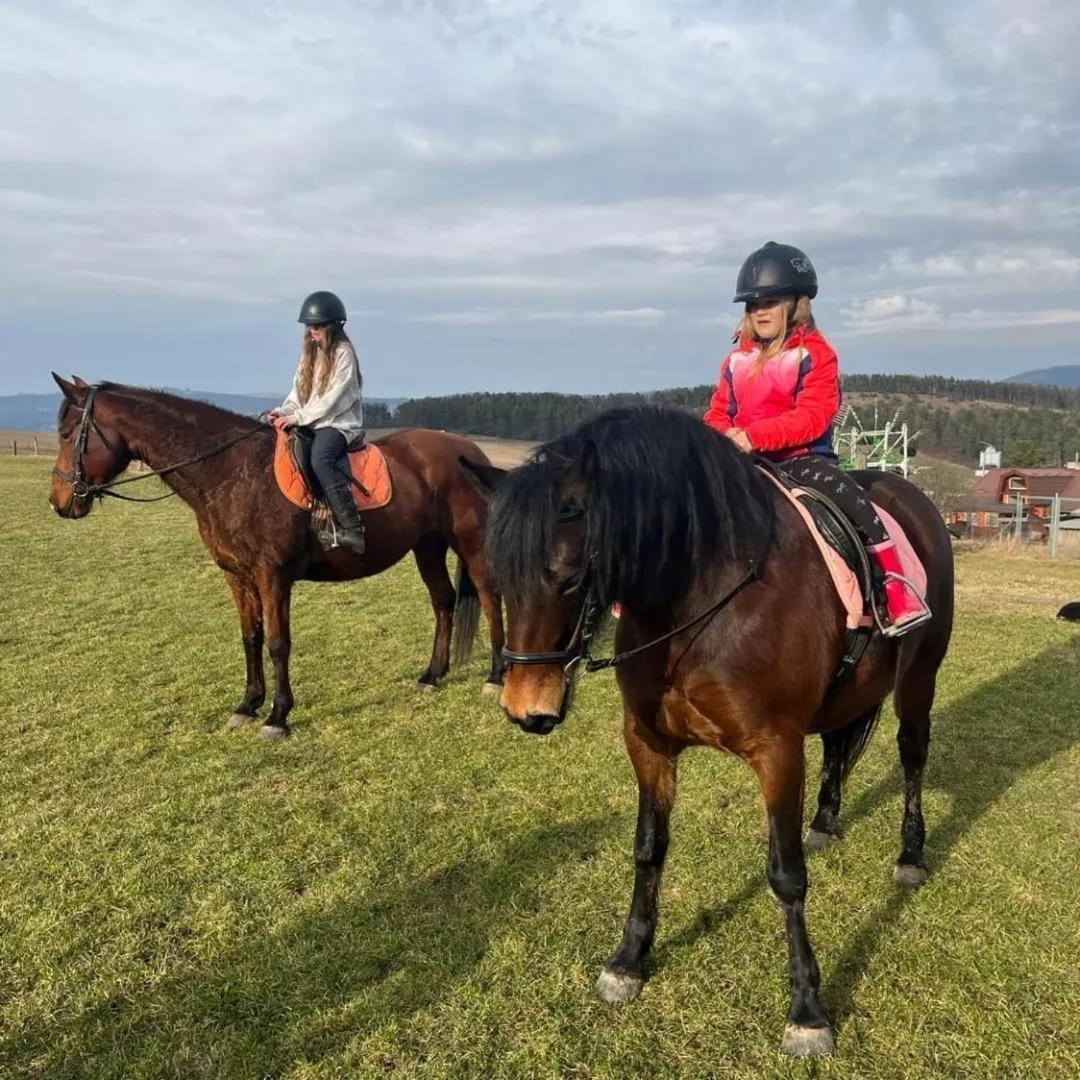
x=540 y=723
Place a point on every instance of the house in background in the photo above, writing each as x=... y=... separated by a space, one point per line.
x=990 y=507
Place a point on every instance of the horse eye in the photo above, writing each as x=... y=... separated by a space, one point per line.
x=571 y=585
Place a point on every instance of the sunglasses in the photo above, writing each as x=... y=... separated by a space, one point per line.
x=763 y=304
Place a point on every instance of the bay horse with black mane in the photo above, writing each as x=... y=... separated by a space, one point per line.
x=730 y=635
x=221 y=465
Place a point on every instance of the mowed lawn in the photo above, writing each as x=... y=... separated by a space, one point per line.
x=411 y=886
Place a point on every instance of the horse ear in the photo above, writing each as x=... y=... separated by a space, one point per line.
x=485 y=478
x=71 y=391
x=82 y=384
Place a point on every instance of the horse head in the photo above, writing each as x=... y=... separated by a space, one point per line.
x=91 y=451
x=537 y=545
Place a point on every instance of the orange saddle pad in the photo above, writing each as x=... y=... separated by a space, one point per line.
x=367 y=465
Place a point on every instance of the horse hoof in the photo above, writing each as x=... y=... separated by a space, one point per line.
x=911 y=877
x=237 y=721
x=818 y=841
x=616 y=988
x=491 y=689
x=428 y=687
x=273 y=733
x=803 y=1042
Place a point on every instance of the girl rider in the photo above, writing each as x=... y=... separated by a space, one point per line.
x=326 y=398
x=778 y=394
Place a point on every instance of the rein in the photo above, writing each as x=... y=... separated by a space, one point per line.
x=80 y=489
x=588 y=622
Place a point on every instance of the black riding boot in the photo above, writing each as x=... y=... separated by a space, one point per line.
x=350 y=525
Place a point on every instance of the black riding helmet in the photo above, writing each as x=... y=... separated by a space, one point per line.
x=322 y=307
x=776 y=270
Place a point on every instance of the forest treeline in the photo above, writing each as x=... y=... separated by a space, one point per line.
x=1033 y=424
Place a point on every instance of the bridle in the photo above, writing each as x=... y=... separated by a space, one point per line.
x=577 y=652
x=80 y=489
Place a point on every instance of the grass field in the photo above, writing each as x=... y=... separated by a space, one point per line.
x=411 y=886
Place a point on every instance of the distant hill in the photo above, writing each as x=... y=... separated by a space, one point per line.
x=948 y=418
x=37 y=412
x=1064 y=375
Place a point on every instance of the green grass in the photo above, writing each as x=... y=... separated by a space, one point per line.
x=411 y=886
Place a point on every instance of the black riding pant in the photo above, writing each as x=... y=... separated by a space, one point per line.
x=821 y=475
x=328 y=461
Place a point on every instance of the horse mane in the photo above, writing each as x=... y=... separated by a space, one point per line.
x=664 y=496
x=183 y=409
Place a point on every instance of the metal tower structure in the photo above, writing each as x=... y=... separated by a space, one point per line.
x=880 y=447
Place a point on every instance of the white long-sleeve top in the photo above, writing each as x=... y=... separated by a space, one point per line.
x=340 y=405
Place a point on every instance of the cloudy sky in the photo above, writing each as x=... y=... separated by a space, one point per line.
x=531 y=195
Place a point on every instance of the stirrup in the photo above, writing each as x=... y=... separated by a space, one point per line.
x=899 y=629
x=329 y=540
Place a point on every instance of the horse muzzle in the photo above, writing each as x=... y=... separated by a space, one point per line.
x=536 y=723
x=72 y=509
x=535 y=698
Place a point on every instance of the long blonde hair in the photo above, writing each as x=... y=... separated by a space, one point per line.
x=795 y=312
x=317 y=363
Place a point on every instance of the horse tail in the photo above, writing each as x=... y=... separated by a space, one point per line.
x=466 y=616
x=854 y=739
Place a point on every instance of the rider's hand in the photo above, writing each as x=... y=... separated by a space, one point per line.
x=280 y=420
x=740 y=439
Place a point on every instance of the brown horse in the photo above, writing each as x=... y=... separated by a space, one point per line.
x=221 y=465
x=730 y=637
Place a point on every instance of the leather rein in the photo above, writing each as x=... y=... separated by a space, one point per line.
x=577 y=651
x=80 y=489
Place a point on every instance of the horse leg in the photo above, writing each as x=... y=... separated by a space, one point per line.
x=470 y=550
x=825 y=828
x=914 y=698
x=842 y=749
x=491 y=602
x=249 y=606
x=276 y=591
x=431 y=562
x=780 y=768
x=492 y=605
x=655 y=766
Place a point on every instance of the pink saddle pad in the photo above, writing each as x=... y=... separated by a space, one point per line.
x=843 y=577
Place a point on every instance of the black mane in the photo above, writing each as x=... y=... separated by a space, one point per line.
x=666 y=496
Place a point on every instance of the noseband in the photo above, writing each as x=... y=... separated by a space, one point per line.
x=577 y=651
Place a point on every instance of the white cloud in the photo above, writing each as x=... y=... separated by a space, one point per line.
x=486 y=316
x=897 y=314
x=628 y=317
x=891 y=312
x=473 y=317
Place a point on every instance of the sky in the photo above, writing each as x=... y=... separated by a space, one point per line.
x=531 y=195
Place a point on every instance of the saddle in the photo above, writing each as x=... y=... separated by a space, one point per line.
x=853 y=574
x=369 y=476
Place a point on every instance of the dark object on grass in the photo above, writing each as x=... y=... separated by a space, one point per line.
x=1070 y=612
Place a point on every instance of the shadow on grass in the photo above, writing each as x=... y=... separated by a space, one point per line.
x=980 y=745
x=305 y=991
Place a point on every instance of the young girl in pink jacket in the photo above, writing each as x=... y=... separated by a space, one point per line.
x=778 y=395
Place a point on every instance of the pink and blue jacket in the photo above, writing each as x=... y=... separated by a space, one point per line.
x=786 y=409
